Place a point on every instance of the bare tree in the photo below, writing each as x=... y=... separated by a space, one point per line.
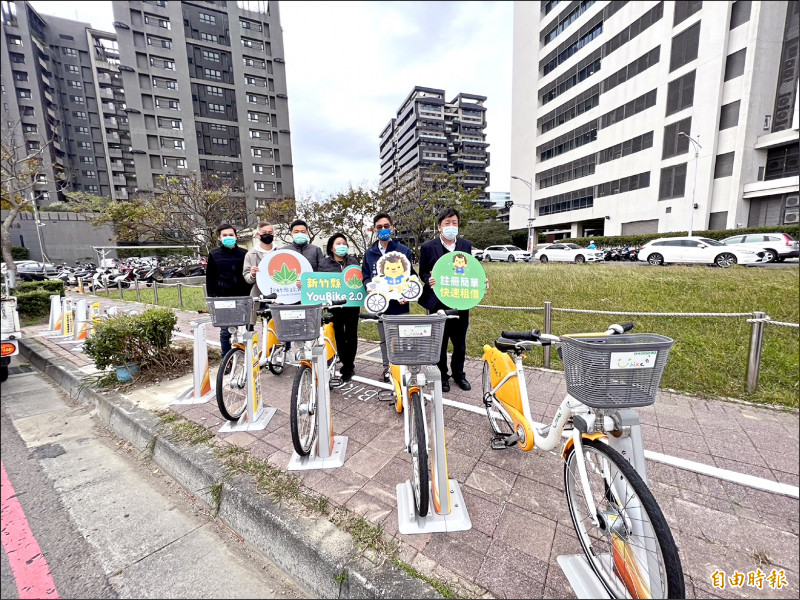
x=21 y=170
x=281 y=212
x=351 y=213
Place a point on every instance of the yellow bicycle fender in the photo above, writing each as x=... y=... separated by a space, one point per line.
x=398 y=392
x=520 y=421
x=586 y=436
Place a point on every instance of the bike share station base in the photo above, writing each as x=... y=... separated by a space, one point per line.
x=201 y=391
x=329 y=451
x=580 y=576
x=410 y=523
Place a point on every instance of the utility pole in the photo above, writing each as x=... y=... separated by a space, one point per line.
x=529 y=208
x=697 y=147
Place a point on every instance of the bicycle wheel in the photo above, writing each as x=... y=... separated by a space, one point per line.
x=303 y=414
x=419 y=455
x=277 y=359
x=631 y=550
x=501 y=425
x=232 y=385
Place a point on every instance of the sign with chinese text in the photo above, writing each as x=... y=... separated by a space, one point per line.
x=460 y=280
x=279 y=273
x=320 y=288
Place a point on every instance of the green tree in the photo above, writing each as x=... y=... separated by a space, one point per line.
x=487 y=233
x=351 y=213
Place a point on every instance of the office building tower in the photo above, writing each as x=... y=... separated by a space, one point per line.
x=206 y=93
x=429 y=132
x=646 y=117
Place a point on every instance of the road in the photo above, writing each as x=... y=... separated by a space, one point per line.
x=100 y=520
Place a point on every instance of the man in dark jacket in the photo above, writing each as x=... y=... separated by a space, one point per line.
x=301 y=243
x=455 y=330
x=382 y=223
x=224 y=274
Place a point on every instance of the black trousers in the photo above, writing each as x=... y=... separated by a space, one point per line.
x=455 y=331
x=345 y=327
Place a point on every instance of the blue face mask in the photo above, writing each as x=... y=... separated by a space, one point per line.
x=450 y=232
x=385 y=235
x=229 y=242
x=300 y=238
x=342 y=250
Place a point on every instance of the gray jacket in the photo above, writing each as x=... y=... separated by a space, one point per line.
x=310 y=251
x=253 y=259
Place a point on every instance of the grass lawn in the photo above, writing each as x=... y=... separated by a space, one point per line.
x=709 y=357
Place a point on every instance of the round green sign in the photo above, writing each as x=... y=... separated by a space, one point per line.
x=460 y=280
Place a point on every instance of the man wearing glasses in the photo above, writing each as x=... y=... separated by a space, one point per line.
x=382 y=224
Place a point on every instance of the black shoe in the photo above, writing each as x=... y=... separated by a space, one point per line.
x=386 y=377
x=346 y=376
x=445 y=385
x=463 y=383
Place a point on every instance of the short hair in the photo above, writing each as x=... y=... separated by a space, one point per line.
x=457 y=255
x=297 y=222
x=264 y=224
x=329 y=245
x=223 y=226
x=380 y=216
x=449 y=212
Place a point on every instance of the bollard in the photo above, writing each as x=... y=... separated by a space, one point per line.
x=548 y=313
x=754 y=359
x=155 y=292
x=180 y=295
x=119 y=287
x=108 y=290
x=138 y=293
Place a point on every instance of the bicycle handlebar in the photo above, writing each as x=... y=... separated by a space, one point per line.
x=530 y=336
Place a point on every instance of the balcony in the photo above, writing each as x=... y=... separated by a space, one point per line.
x=107 y=93
x=115 y=152
x=121 y=194
x=111 y=124
x=104 y=78
x=119 y=180
x=113 y=138
x=117 y=165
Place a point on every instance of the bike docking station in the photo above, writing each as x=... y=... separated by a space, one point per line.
x=256 y=417
x=200 y=392
x=329 y=450
x=448 y=511
x=77 y=322
x=585 y=583
x=62 y=319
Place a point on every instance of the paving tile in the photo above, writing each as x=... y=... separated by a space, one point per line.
x=368 y=461
x=461 y=552
x=530 y=533
x=505 y=576
x=491 y=481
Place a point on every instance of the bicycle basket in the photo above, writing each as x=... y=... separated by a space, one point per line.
x=296 y=323
x=230 y=311
x=617 y=371
x=412 y=339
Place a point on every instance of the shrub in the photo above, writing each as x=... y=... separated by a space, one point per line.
x=19 y=253
x=51 y=286
x=33 y=304
x=141 y=339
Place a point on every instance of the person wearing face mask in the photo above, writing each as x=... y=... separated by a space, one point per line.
x=263 y=245
x=382 y=224
x=224 y=274
x=345 y=319
x=455 y=330
x=301 y=243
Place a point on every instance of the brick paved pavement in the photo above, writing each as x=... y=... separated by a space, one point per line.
x=516 y=500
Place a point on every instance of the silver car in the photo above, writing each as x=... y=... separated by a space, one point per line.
x=506 y=254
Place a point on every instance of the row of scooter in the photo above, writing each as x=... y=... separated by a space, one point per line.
x=119 y=273
x=630 y=253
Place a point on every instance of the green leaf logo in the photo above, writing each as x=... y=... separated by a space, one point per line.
x=285 y=276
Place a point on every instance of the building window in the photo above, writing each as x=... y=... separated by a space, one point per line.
x=684 y=47
x=23 y=93
x=172 y=143
x=28 y=128
x=214 y=91
x=257 y=152
x=208 y=37
x=76 y=99
x=212 y=74
x=252 y=62
x=630 y=108
x=673 y=182
x=723 y=167
x=685 y=9
x=680 y=93
x=729 y=115
x=69 y=51
x=740 y=13
x=218 y=108
x=88 y=160
x=74 y=69
x=74 y=84
x=34 y=146
x=89 y=174
x=219 y=141
x=175 y=124
x=162 y=63
x=207 y=18
x=168 y=84
x=17 y=58
x=261 y=186
x=82 y=130
x=84 y=145
x=15 y=40
x=734 y=64
x=211 y=55
x=251 y=25
x=674 y=144
x=258 y=169
x=159 y=42
x=565 y=22
x=218 y=127
x=782 y=162
x=626 y=184
x=257 y=81
x=157 y=21
x=167 y=103
x=92 y=189
x=631 y=146
x=20 y=76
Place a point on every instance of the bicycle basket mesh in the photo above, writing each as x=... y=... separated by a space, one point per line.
x=617 y=371
x=412 y=339
x=296 y=323
x=230 y=311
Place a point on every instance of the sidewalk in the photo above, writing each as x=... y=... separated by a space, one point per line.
x=516 y=500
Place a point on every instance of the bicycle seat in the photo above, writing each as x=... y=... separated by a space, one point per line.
x=517 y=346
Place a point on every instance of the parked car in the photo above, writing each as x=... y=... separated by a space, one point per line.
x=568 y=252
x=777 y=246
x=36 y=271
x=506 y=253
x=697 y=249
x=477 y=253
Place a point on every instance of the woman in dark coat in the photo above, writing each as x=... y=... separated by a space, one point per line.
x=345 y=319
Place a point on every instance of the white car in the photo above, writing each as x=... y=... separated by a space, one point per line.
x=506 y=253
x=697 y=249
x=568 y=252
x=777 y=246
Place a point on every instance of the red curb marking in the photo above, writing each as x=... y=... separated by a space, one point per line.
x=28 y=564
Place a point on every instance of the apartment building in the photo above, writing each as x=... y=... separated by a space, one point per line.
x=429 y=132
x=645 y=117
x=206 y=92
x=61 y=91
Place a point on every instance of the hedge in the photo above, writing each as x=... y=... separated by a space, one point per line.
x=34 y=304
x=20 y=253
x=51 y=286
x=640 y=240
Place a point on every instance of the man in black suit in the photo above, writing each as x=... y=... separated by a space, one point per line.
x=455 y=329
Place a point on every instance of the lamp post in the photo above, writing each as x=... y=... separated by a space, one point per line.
x=697 y=147
x=529 y=208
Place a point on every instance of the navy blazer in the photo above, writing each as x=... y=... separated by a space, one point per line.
x=430 y=252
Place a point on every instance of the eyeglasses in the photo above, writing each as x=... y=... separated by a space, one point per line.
x=379 y=227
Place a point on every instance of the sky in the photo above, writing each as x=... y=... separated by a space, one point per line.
x=350 y=65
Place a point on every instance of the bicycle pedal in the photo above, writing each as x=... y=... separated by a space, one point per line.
x=498 y=443
x=511 y=440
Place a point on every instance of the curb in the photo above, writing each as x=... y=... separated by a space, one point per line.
x=311 y=549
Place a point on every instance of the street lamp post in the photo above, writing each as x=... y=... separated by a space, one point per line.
x=529 y=208
x=697 y=147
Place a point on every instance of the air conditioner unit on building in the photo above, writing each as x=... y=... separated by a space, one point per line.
x=791 y=217
x=792 y=201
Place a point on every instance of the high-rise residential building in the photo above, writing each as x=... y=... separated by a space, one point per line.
x=429 y=132
x=500 y=201
x=640 y=117
x=206 y=93
x=62 y=92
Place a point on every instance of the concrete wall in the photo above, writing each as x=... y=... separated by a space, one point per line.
x=66 y=236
